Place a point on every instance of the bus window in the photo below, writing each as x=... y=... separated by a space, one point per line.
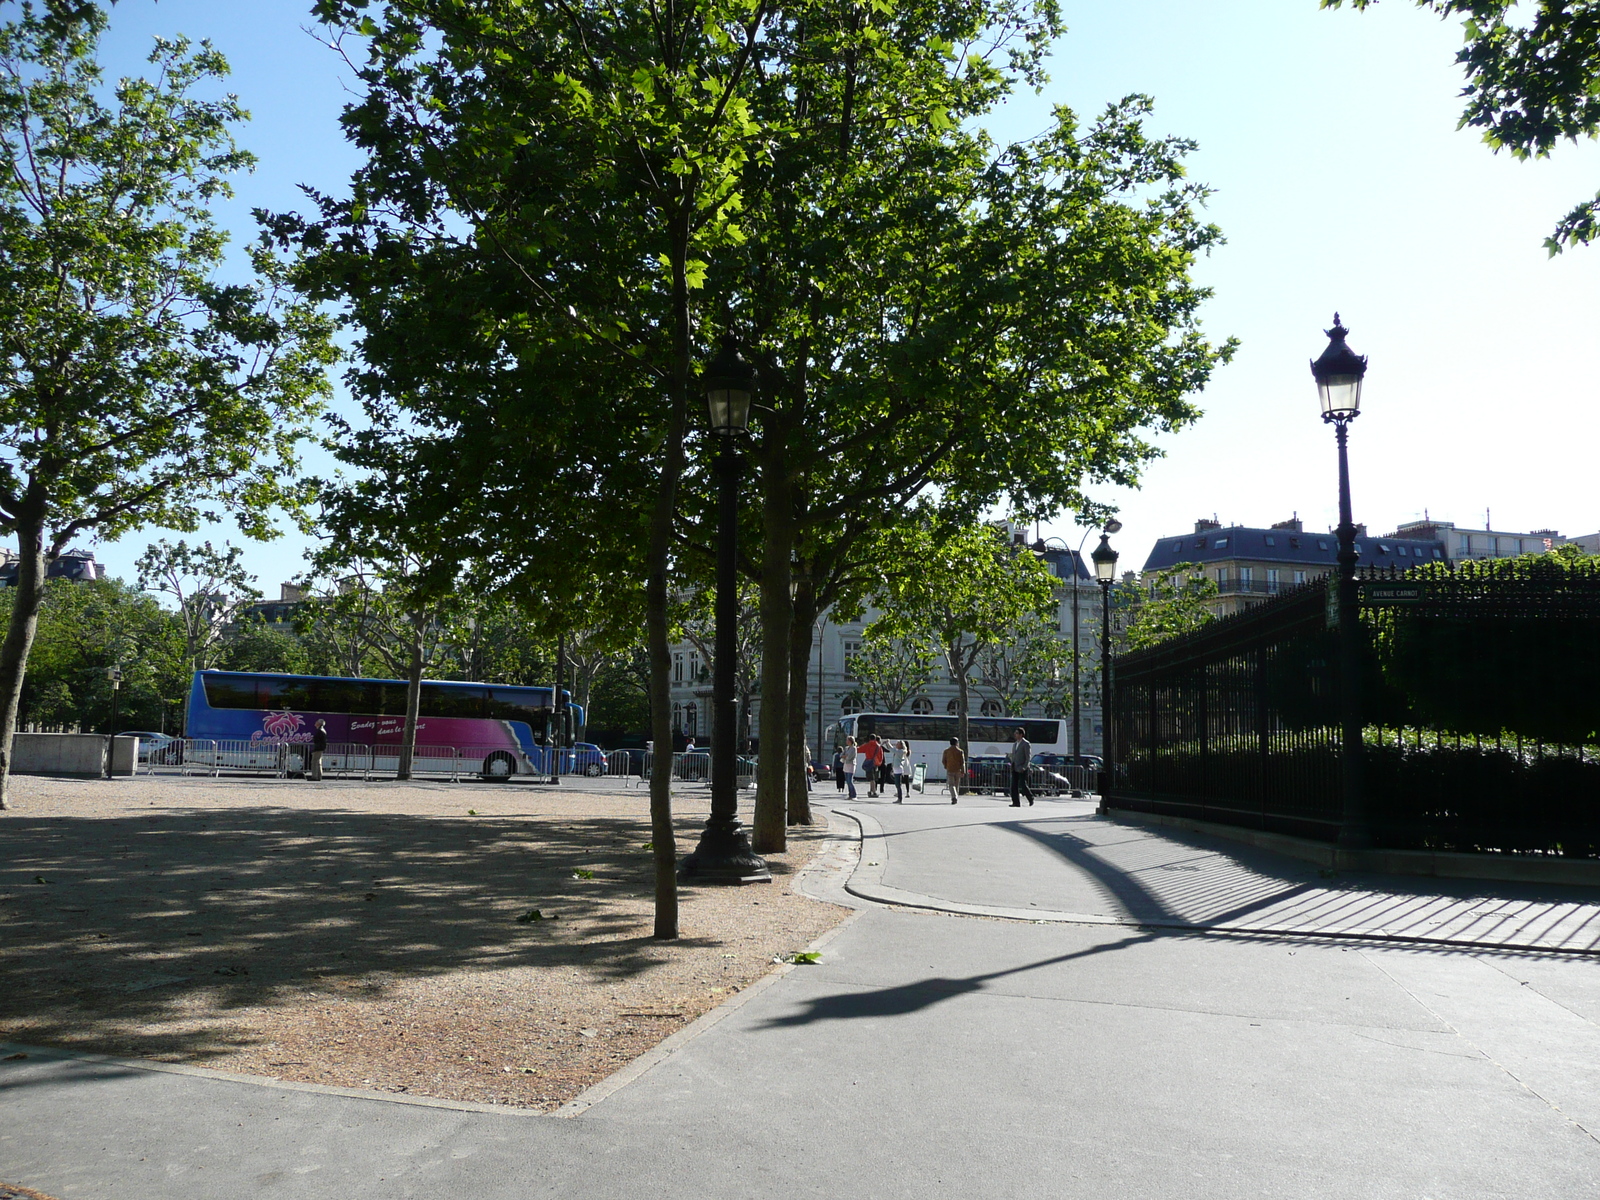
x=866 y=723
x=1041 y=732
x=516 y=704
x=890 y=728
x=287 y=693
x=345 y=696
x=230 y=691
x=452 y=700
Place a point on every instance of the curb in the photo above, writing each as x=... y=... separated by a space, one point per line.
x=650 y=1059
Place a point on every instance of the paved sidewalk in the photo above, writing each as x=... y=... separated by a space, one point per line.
x=936 y=1055
x=1057 y=861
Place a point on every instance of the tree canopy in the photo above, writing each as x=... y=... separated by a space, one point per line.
x=1533 y=80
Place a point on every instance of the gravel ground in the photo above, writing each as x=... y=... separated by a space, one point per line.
x=367 y=934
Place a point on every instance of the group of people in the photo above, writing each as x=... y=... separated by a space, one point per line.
x=886 y=763
x=877 y=754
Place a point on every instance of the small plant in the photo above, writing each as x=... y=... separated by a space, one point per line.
x=533 y=914
x=804 y=958
x=648 y=846
x=472 y=812
x=583 y=873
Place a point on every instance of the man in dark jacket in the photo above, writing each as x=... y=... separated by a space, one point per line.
x=319 y=745
x=1021 y=757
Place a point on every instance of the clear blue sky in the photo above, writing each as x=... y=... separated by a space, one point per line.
x=1341 y=182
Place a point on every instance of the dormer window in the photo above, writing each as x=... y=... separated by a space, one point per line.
x=1322 y=543
x=1294 y=543
x=1382 y=549
x=1401 y=551
x=1271 y=541
x=1199 y=543
x=1222 y=543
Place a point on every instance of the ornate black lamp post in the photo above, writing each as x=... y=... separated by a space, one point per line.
x=1105 y=571
x=1338 y=374
x=724 y=854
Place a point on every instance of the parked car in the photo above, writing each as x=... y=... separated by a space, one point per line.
x=156 y=747
x=1056 y=761
x=584 y=758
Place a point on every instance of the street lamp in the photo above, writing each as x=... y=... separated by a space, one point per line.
x=114 y=674
x=1105 y=571
x=1339 y=373
x=724 y=854
x=1111 y=526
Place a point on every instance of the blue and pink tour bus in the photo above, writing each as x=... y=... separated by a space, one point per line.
x=500 y=730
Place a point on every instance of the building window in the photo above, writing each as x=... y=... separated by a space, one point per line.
x=1299 y=576
x=1382 y=548
x=953 y=707
x=1222 y=543
x=677 y=668
x=677 y=718
x=1222 y=575
x=1246 y=574
x=1272 y=579
x=1270 y=540
x=1464 y=543
x=1401 y=551
x=850 y=704
x=1322 y=543
x=851 y=649
x=991 y=708
x=689 y=715
x=922 y=706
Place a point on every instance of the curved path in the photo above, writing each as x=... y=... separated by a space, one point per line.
x=1100 y=1047
x=1057 y=861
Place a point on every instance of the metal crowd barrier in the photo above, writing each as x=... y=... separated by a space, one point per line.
x=692 y=768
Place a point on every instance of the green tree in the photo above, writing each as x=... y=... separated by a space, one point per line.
x=970 y=588
x=210 y=588
x=135 y=389
x=1163 y=604
x=889 y=671
x=84 y=628
x=1027 y=663
x=252 y=644
x=1532 y=81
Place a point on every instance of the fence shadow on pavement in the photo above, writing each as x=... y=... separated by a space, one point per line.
x=1192 y=878
x=114 y=928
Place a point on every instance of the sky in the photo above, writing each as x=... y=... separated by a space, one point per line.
x=1341 y=183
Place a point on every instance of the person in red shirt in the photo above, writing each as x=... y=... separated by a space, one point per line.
x=872 y=752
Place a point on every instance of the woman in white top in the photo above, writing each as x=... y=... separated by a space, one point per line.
x=902 y=769
x=850 y=765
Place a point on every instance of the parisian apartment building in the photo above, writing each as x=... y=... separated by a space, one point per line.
x=832 y=691
x=1250 y=563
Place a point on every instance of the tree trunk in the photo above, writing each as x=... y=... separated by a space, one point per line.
x=19 y=638
x=772 y=805
x=657 y=563
x=803 y=619
x=958 y=668
x=408 y=736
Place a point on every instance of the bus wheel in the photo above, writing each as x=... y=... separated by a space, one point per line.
x=499 y=766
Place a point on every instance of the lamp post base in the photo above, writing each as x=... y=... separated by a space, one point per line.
x=724 y=856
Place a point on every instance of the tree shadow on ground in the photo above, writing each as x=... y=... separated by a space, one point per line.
x=134 y=921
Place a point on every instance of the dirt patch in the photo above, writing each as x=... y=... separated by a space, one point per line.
x=368 y=934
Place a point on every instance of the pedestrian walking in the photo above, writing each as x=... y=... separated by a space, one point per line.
x=811 y=772
x=902 y=769
x=955 y=768
x=850 y=765
x=319 y=747
x=838 y=767
x=1021 y=756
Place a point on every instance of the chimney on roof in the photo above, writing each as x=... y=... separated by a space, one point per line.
x=1204 y=525
x=290 y=593
x=1293 y=524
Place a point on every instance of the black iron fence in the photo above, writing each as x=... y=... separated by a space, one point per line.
x=1480 y=707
